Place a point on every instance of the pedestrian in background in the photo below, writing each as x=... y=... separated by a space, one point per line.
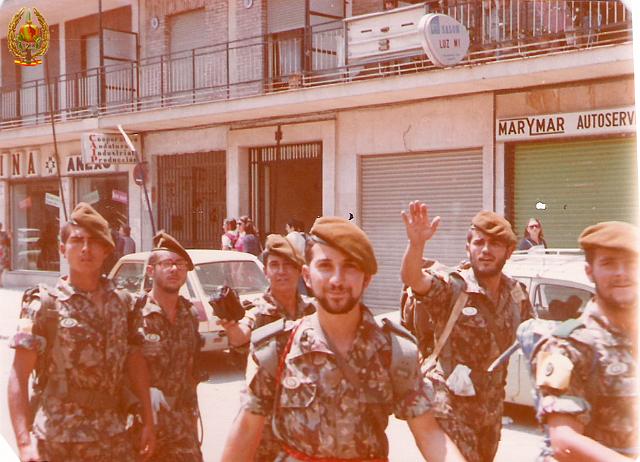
x=332 y=379
x=81 y=338
x=171 y=348
x=482 y=308
x=125 y=244
x=587 y=370
x=230 y=234
x=5 y=255
x=533 y=235
x=295 y=234
x=248 y=240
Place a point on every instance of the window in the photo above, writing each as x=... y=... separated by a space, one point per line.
x=99 y=192
x=244 y=276
x=129 y=276
x=35 y=226
x=558 y=302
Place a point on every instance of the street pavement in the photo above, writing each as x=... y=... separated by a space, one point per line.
x=219 y=399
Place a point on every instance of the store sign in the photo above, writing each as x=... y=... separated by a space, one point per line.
x=444 y=39
x=119 y=196
x=74 y=165
x=598 y=122
x=4 y=165
x=32 y=164
x=91 y=197
x=105 y=148
x=49 y=166
x=53 y=200
x=16 y=165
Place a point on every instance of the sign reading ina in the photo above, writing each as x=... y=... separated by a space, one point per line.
x=105 y=148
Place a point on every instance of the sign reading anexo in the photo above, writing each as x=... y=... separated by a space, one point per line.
x=597 y=122
x=105 y=148
x=444 y=39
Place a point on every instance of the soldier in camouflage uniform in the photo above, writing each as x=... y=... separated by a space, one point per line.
x=282 y=267
x=469 y=400
x=587 y=371
x=81 y=338
x=332 y=378
x=171 y=346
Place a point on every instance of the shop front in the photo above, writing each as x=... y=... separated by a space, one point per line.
x=34 y=206
x=570 y=170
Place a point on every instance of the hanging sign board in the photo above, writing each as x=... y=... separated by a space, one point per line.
x=91 y=197
x=444 y=39
x=52 y=200
x=105 y=148
x=119 y=196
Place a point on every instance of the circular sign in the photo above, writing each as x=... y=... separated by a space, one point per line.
x=248 y=3
x=140 y=173
x=444 y=39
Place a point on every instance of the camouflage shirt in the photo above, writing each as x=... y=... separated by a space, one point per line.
x=602 y=390
x=170 y=350
x=267 y=309
x=473 y=419
x=93 y=343
x=318 y=411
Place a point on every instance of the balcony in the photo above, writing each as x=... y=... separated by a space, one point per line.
x=321 y=55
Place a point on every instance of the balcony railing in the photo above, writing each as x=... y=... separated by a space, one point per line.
x=499 y=30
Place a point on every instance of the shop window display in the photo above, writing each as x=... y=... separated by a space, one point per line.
x=35 y=227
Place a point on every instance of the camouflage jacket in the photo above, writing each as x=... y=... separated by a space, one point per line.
x=267 y=309
x=171 y=353
x=319 y=412
x=93 y=343
x=602 y=389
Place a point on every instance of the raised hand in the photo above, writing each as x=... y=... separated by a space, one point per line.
x=417 y=225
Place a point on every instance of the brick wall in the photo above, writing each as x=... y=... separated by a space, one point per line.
x=366 y=6
x=155 y=42
x=77 y=29
x=247 y=61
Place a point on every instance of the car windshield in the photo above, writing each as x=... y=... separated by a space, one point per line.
x=244 y=276
x=558 y=302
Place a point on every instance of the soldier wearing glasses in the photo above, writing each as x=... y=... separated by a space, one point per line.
x=171 y=345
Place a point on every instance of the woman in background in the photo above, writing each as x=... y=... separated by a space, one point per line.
x=248 y=240
x=533 y=235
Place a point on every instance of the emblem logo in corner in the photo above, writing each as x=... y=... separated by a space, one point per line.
x=28 y=42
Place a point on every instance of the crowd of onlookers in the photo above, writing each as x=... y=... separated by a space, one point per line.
x=242 y=235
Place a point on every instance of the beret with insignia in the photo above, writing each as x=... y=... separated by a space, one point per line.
x=347 y=237
x=494 y=226
x=280 y=245
x=611 y=235
x=164 y=241
x=87 y=218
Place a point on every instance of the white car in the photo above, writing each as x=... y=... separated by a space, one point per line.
x=213 y=268
x=559 y=289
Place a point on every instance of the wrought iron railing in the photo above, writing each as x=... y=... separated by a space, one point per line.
x=499 y=30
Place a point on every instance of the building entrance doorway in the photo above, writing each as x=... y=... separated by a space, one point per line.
x=285 y=182
x=192 y=198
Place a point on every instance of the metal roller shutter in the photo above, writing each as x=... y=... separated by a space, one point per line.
x=580 y=183
x=186 y=31
x=450 y=184
x=283 y=15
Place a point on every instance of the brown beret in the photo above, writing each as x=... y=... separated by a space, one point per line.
x=282 y=246
x=611 y=235
x=494 y=226
x=86 y=216
x=164 y=241
x=345 y=236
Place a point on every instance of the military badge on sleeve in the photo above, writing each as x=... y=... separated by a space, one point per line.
x=554 y=371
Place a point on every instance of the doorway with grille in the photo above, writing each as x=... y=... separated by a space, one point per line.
x=192 y=197
x=285 y=182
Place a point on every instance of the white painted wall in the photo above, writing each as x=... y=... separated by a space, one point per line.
x=185 y=141
x=452 y=123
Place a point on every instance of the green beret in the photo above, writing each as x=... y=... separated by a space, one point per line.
x=611 y=235
x=494 y=226
x=86 y=217
x=164 y=241
x=345 y=236
x=280 y=245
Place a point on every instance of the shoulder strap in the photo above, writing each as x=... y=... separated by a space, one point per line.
x=48 y=307
x=461 y=300
x=267 y=355
x=564 y=329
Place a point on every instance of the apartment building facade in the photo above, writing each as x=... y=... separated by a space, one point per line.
x=279 y=109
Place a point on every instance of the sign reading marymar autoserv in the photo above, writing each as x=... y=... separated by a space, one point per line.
x=105 y=148
x=444 y=39
x=596 y=122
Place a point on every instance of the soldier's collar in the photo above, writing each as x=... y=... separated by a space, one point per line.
x=64 y=290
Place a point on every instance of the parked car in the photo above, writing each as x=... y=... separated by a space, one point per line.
x=213 y=268
x=559 y=289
